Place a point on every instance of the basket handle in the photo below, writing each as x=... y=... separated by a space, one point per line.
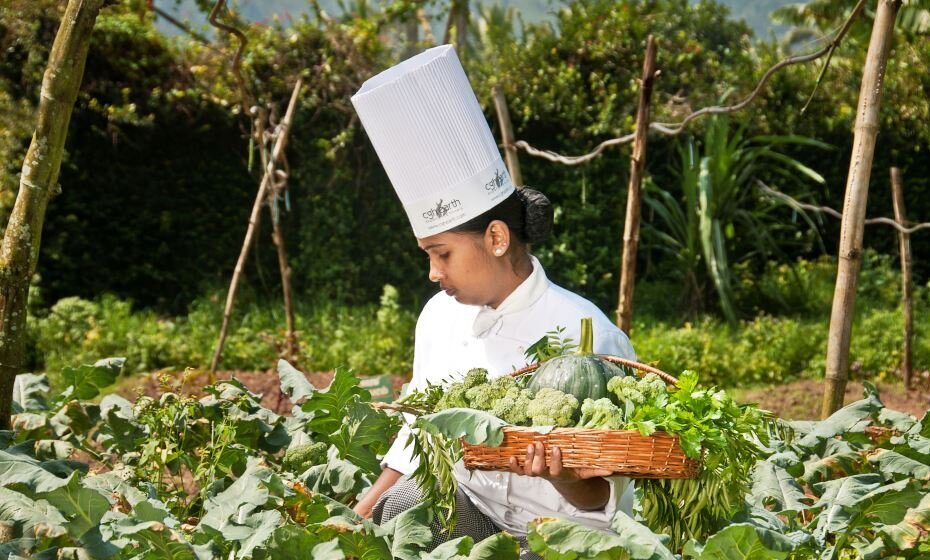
x=640 y=368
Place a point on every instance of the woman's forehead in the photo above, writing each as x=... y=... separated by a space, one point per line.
x=445 y=239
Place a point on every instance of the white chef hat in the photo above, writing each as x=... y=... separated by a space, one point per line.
x=432 y=138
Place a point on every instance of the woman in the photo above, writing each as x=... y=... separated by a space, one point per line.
x=495 y=300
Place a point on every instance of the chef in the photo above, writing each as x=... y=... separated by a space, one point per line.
x=477 y=230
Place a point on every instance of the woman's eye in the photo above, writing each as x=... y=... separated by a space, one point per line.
x=444 y=256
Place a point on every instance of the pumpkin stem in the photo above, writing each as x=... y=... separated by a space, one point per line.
x=586 y=347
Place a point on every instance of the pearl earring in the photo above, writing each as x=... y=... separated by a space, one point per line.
x=498 y=252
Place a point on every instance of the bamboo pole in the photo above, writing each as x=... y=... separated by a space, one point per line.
x=857 y=189
x=277 y=151
x=510 y=151
x=904 y=244
x=634 y=192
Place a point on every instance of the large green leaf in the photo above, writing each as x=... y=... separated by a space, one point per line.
x=638 y=540
x=742 y=541
x=831 y=467
x=19 y=469
x=356 y=540
x=887 y=504
x=294 y=383
x=86 y=381
x=913 y=528
x=364 y=435
x=261 y=526
x=558 y=538
x=500 y=546
x=837 y=497
x=119 y=431
x=336 y=477
x=891 y=463
x=289 y=541
x=329 y=550
x=456 y=549
x=81 y=506
x=37 y=519
x=772 y=484
x=113 y=485
x=149 y=531
x=841 y=422
x=900 y=421
x=325 y=406
x=476 y=426
x=248 y=493
x=410 y=532
x=29 y=390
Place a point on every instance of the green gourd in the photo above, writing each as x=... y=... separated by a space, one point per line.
x=581 y=374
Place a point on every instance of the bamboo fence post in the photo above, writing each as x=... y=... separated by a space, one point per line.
x=267 y=178
x=857 y=189
x=38 y=183
x=634 y=192
x=904 y=244
x=510 y=151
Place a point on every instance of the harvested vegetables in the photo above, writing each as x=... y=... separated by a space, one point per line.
x=727 y=436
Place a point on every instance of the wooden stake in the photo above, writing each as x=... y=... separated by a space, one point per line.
x=277 y=150
x=904 y=244
x=634 y=192
x=510 y=150
x=857 y=190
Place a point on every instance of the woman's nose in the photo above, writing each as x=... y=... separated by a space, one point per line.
x=435 y=275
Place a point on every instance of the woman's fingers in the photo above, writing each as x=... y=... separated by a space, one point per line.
x=539 y=459
x=555 y=462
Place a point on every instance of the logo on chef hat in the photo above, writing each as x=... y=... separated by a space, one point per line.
x=442 y=209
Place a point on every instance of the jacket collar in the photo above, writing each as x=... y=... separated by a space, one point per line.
x=489 y=320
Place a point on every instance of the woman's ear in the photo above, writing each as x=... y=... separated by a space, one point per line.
x=497 y=238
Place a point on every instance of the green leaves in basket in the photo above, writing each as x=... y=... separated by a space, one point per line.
x=728 y=436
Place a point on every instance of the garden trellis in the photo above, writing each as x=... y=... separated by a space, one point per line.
x=900 y=224
x=857 y=185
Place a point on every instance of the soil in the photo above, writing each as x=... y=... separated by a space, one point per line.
x=798 y=400
x=801 y=400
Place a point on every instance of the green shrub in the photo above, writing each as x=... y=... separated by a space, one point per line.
x=769 y=349
x=369 y=339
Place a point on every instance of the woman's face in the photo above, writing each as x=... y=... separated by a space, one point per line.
x=465 y=266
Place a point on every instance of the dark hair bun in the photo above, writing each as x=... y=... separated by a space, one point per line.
x=537 y=223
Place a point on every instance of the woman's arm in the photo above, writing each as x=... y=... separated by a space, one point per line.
x=583 y=488
x=387 y=479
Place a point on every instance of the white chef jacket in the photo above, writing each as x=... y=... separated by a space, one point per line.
x=452 y=338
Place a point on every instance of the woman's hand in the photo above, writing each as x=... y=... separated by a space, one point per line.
x=585 y=488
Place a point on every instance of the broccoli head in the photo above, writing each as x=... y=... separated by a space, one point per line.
x=453 y=397
x=601 y=414
x=475 y=377
x=299 y=458
x=626 y=389
x=511 y=408
x=551 y=407
x=483 y=397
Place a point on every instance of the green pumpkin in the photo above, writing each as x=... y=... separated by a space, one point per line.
x=581 y=374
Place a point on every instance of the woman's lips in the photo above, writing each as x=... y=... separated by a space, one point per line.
x=449 y=292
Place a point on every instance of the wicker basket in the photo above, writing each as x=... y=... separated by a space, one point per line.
x=625 y=452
